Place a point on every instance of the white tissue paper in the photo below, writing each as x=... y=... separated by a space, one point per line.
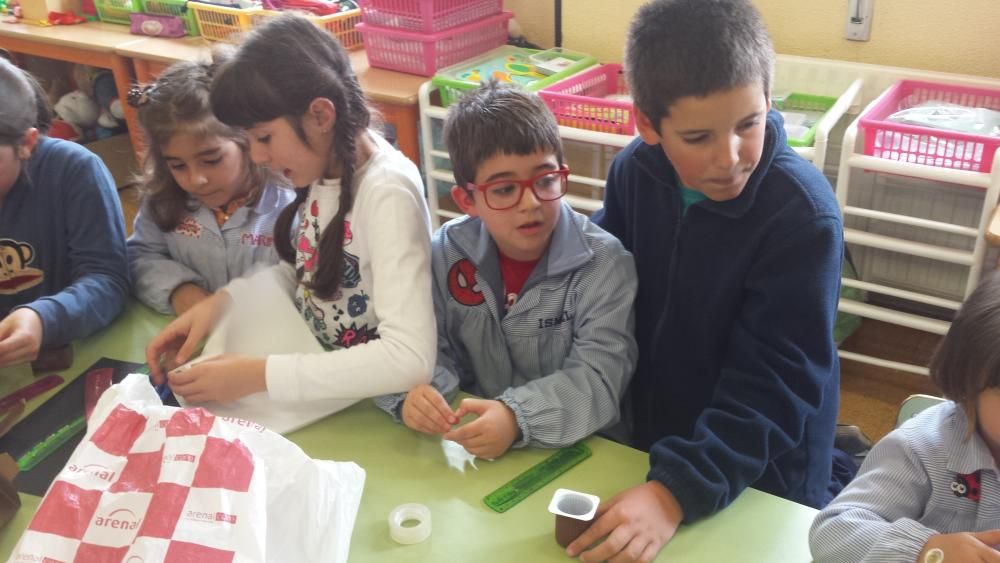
x=457 y=456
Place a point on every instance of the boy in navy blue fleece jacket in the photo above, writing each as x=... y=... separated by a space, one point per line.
x=63 y=268
x=738 y=244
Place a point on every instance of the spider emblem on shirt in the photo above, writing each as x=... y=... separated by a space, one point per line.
x=462 y=284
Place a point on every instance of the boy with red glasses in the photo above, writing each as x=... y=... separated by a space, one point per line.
x=533 y=301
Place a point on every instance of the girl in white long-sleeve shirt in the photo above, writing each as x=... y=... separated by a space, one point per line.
x=358 y=265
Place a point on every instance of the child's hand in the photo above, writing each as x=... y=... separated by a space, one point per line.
x=187 y=295
x=636 y=523
x=425 y=410
x=965 y=546
x=177 y=342
x=491 y=434
x=20 y=337
x=222 y=379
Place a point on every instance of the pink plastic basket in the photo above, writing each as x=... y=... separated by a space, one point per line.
x=925 y=145
x=417 y=53
x=427 y=16
x=580 y=101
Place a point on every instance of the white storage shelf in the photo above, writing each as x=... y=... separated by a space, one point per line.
x=969 y=254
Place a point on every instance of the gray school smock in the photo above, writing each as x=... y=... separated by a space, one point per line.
x=198 y=251
x=562 y=356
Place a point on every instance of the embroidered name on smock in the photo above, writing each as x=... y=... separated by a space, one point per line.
x=555 y=321
x=256 y=240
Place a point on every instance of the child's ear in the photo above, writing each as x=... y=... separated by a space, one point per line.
x=464 y=200
x=323 y=114
x=28 y=145
x=646 y=129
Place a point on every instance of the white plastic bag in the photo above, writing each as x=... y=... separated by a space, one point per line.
x=154 y=483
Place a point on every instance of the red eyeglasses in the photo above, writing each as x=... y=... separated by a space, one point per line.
x=504 y=194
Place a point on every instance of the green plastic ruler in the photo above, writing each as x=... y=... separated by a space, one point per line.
x=536 y=477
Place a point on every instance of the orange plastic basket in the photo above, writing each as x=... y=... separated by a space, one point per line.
x=339 y=25
x=222 y=23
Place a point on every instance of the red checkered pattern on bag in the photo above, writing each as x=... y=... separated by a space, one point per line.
x=163 y=499
x=119 y=431
x=190 y=422
x=181 y=457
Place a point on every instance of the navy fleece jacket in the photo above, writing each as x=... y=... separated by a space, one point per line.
x=737 y=383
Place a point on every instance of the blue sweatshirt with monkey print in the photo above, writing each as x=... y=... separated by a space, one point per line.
x=62 y=243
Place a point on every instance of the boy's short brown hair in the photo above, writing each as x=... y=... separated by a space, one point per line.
x=497 y=119
x=679 y=48
x=967 y=362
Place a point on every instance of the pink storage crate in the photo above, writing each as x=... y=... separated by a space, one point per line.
x=427 y=16
x=592 y=100
x=926 y=145
x=418 y=53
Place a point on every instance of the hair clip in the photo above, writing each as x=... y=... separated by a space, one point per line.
x=139 y=95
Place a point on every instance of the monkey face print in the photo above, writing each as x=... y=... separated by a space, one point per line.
x=15 y=273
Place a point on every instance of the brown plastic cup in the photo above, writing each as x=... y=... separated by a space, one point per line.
x=574 y=513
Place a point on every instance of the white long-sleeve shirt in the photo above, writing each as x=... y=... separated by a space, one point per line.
x=379 y=328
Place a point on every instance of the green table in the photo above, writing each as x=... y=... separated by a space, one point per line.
x=403 y=466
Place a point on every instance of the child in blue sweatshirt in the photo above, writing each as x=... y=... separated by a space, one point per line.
x=63 y=268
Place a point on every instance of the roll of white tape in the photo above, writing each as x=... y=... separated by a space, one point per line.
x=410 y=534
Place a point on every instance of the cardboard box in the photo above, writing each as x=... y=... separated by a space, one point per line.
x=36 y=11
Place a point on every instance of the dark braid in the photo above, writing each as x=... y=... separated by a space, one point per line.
x=329 y=272
x=278 y=71
x=283 y=226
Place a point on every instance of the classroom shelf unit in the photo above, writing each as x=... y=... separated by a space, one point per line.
x=590 y=152
x=970 y=254
x=942 y=213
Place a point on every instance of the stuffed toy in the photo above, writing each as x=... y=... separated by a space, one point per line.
x=106 y=95
x=99 y=84
x=80 y=111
